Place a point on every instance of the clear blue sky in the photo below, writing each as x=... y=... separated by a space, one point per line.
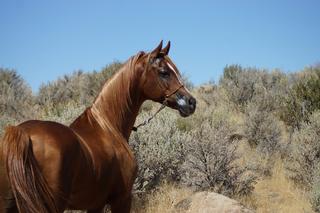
x=45 y=39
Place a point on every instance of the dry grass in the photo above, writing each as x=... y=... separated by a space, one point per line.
x=163 y=199
x=274 y=193
x=277 y=194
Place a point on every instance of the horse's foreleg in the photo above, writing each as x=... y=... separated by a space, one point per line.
x=10 y=205
x=122 y=205
x=100 y=210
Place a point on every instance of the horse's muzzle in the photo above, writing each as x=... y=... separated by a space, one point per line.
x=186 y=105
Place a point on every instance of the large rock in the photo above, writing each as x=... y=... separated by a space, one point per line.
x=210 y=202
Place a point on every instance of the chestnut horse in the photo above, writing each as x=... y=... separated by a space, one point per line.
x=51 y=167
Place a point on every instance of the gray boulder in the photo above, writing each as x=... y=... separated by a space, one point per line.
x=210 y=202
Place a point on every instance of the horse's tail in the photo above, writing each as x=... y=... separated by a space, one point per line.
x=30 y=189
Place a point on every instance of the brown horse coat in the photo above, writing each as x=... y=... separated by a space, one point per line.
x=52 y=167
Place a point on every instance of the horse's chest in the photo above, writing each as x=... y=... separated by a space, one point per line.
x=127 y=166
x=121 y=166
x=113 y=174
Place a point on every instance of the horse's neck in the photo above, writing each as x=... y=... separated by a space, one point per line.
x=118 y=104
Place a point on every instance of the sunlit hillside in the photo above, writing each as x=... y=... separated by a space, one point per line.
x=255 y=136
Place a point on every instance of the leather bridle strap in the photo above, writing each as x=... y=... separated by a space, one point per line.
x=174 y=91
x=145 y=122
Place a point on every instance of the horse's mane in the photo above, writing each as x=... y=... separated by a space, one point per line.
x=114 y=93
x=118 y=89
x=128 y=66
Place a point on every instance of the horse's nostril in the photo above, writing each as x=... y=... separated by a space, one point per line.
x=192 y=102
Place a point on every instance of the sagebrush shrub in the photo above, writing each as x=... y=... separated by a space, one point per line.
x=65 y=116
x=315 y=189
x=79 y=88
x=158 y=148
x=211 y=159
x=261 y=129
x=245 y=85
x=304 y=153
x=208 y=93
x=16 y=100
x=65 y=89
x=4 y=122
x=15 y=95
x=239 y=84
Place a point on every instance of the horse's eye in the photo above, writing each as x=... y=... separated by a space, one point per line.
x=164 y=73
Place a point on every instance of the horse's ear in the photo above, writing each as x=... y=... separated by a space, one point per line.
x=155 y=53
x=165 y=50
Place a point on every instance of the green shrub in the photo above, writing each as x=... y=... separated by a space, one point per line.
x=303 y=97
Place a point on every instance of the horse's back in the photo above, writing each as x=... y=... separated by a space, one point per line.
x=49 y=132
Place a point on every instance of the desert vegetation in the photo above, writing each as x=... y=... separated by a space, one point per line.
x=254 y=137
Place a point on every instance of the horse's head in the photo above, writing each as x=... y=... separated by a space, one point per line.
x=161 y=82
